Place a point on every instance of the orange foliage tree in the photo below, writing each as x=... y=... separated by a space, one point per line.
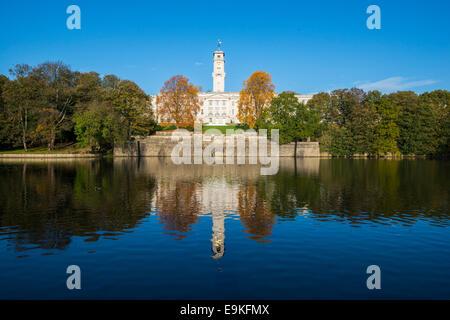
x=255 y=97
x=178 y=102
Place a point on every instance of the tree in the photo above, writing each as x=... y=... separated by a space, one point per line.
x=341 y=141
x=387 y=131
x=88 y=87
x=294 y=120
x=110 y=82
x=133 y=105
x=144 y=123
x=23 y=99
x=60 y=97
x=3 y=81
x=98 y=127
x=255 y=97
x=4 y=123
x=344 y=102
x=438 y=101
x=178 y=101
x=325 y=105
x=362 y=125
x=418 y=127
x=347 y=126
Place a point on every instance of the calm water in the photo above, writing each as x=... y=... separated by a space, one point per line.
x=149 y=229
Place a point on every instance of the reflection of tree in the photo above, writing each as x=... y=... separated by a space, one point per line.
x=45 y=204
x=178 y=206
x=362 y=190
x=255 y=213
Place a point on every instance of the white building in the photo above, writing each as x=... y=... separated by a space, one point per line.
x=219 y=107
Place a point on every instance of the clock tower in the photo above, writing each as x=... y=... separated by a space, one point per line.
x=219 y=70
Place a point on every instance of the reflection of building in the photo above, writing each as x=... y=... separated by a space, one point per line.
x=219 y=107
x=186 y=192
x=218 y=198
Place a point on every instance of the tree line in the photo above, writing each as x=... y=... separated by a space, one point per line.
x=356 y=122
x=351 y=121
x=48 y=103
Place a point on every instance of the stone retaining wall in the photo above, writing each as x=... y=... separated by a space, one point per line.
x=161 y=145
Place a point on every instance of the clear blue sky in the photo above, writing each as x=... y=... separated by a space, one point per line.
x=307 y=46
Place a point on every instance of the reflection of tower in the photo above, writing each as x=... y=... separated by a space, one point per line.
x=219 y=197
x=218 y=238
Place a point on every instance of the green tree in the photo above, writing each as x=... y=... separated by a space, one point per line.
x=341 y=141
x=438 y=101
x=4 y=123
x=99 y=127
x=23 y=100
x=110 y=82
x=60 y=97
x=361 y=124
x=291 y=117
x=387 y=131
x=346 y=125
x=134 y=107
x=344 y=101
x=88 y=87
x=325 y=106
x=418 y=126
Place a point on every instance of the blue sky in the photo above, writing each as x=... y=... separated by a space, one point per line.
x=307 y=46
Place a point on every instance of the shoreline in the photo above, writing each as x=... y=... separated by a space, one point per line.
x=323 y=155
x=48 y=155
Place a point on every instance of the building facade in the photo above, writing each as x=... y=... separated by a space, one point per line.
x=219 y=107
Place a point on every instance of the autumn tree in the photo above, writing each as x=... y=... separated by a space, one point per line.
x=255 y=97
x=178 y=101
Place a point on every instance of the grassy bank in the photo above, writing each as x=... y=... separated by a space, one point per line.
x=222 y=129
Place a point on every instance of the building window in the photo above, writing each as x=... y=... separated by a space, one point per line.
x=217 y=102
x=223 y=102
x=210 y=102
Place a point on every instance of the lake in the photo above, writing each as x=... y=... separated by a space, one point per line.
x=144 y=228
